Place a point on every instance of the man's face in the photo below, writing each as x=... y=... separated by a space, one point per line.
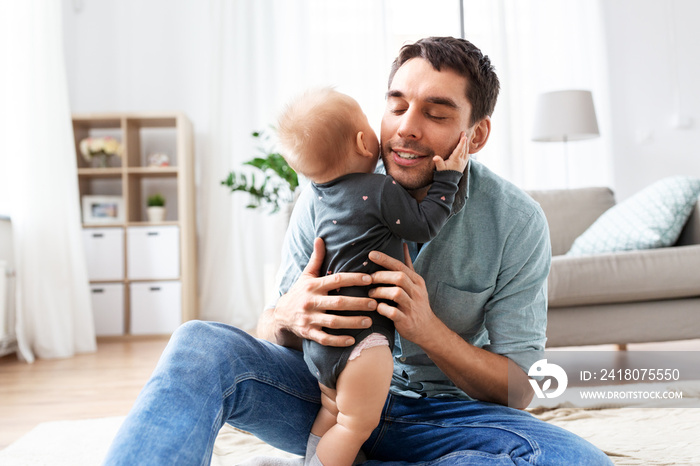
x=425 y=113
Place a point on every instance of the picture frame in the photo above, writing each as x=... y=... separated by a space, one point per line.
x=103 y=209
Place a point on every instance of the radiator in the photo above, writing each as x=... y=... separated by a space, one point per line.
x=8 y=341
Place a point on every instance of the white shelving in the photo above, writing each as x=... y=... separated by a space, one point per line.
x=143 y=275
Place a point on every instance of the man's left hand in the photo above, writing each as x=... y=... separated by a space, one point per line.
x=481 y=374
x=412 y=315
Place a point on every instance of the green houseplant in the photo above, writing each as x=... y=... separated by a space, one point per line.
x=155 y=208
x=275 y=183
x=157 y=200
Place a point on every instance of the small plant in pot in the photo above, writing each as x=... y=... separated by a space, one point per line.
x=155 y=208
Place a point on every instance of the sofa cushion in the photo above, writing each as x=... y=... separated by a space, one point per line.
x=570 y=212
x=652 y=218
x=630 y=276
x=691 y=230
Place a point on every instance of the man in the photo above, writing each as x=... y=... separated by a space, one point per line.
x=470 y=314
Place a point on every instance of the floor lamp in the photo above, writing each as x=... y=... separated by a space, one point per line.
x=563 y=116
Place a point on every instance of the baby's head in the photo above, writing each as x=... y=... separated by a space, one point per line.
x=324 y=134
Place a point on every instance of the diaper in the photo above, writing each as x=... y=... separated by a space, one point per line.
x=375 y=339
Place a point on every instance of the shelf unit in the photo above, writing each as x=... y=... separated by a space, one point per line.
x=130 y=178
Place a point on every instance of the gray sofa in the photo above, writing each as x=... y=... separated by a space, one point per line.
x=624 y=297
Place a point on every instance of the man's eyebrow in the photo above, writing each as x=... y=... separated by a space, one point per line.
x=447 y=102
x=442 y=101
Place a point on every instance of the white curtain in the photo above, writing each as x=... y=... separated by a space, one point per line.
x=39 y=184
x=263 y=53
x=539 y=46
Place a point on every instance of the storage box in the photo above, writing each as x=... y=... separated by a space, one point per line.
x=156 y=307
x=153 y=253
x=108 y=308
x=104 y=251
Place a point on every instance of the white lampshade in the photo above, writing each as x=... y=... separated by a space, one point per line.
x=565 y=116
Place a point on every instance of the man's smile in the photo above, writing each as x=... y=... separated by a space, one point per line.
x=407 y=155
x=407 y=159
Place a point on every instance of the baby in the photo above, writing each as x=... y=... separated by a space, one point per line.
x=326 y=137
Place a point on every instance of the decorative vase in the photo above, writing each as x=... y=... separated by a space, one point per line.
x=102 y=160
x=155 y=214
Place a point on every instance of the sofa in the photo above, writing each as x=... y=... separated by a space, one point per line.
x=617 y=297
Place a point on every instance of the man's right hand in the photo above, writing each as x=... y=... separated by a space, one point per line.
x=301 y=311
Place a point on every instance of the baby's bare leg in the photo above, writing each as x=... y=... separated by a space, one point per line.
x=362 y=389
x=328 y=414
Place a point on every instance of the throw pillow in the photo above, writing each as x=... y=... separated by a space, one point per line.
x=652 y=218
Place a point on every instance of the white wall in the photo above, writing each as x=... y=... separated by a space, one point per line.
x=133 y=55
x=654 y=76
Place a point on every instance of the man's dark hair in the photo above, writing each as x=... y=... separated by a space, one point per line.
x=465 y=59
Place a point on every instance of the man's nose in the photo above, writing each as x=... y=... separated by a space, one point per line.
x=410 y=124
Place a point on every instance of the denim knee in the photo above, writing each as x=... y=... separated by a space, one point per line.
x=196 y=333
x=200 y=347
x=221 y=348
x=193 y=329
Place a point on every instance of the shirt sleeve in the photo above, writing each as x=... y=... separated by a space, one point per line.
x=419 y=221
x=298 y=243
x=516 y=313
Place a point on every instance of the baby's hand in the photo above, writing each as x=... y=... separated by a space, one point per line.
x=458 y=158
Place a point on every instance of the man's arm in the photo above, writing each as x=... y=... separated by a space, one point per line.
x=481 y=374
x=300 y=312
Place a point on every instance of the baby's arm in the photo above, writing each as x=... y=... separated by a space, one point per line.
x=421 y=222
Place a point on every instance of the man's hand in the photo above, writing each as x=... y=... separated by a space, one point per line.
x=301 y=311
x=481 y=374
x=459 y=158
x=412 y=316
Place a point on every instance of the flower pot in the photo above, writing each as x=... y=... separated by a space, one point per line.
x=155 y=214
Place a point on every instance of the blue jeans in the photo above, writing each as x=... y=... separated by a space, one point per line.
x=211 y=373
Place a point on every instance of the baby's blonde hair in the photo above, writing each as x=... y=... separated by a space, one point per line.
x=317 y=129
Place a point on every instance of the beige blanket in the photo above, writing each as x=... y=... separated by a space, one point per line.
x=629 y=435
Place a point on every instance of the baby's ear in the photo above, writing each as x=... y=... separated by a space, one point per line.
x=361 y=145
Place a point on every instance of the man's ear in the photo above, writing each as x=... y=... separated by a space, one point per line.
x=361 y=145
x=480 y=134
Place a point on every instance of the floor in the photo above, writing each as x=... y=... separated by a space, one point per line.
x=100 y=384
x=107 y=382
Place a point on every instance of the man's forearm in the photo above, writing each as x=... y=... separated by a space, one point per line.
x=479 y=373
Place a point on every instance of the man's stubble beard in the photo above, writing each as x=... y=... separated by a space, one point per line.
x=414 y=181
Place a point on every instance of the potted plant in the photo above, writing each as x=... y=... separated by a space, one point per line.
x=276 y=183
x=155 y=208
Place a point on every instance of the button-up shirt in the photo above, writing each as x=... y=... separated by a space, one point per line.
x=485 y=273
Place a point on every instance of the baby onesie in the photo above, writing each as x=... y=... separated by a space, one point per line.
x=359 y=213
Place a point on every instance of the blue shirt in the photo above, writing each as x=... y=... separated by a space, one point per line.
x=485 y=272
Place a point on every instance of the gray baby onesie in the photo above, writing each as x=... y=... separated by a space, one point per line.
x=359 y=213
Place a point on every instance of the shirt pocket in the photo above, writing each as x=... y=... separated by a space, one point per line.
x=461 y=310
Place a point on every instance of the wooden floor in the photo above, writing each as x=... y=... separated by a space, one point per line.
x=107 y=382
x=100 y=384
